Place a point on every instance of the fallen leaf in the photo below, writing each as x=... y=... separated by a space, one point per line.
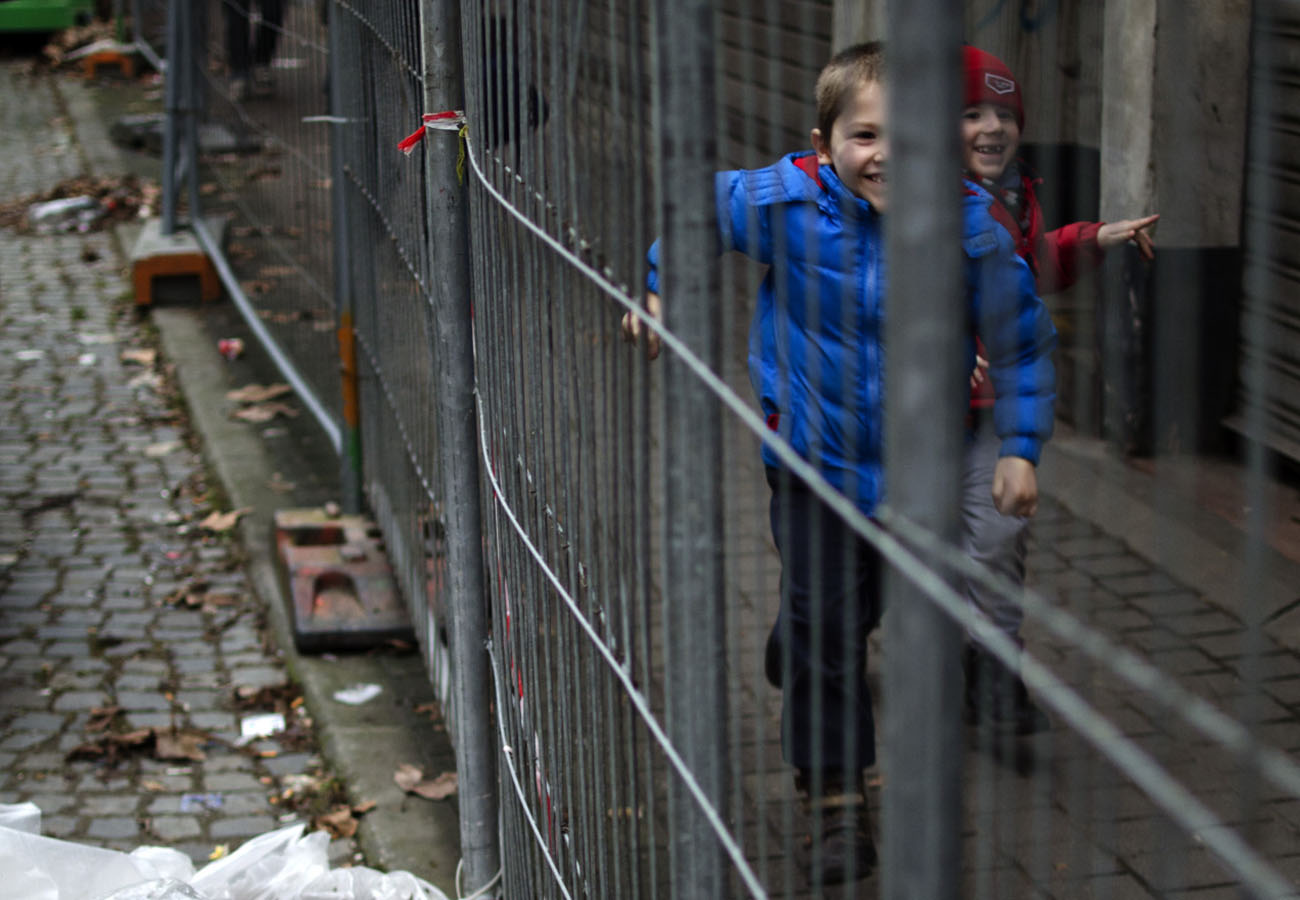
x=101 y=717
x=146 y=379
x=338 y=822
x=279 y=485
x=365 y=806
x=265 y=412
x=219 y=851
x=224 y=521
x=440 y=788
x=408 y=776
x=411 y=779
x=180 y=745
x=257 y=393
x=154 y=787
x=140 y=357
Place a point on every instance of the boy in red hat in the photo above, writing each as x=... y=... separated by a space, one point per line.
x=991 y=125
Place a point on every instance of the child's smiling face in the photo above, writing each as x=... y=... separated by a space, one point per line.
x=857 y=148
x=990 y=138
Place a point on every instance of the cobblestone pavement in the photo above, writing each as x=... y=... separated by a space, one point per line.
x=130 y=645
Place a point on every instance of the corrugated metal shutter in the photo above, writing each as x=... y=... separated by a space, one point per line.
x=1269 y=409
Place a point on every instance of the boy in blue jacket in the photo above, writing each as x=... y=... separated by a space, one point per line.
x=816 y=361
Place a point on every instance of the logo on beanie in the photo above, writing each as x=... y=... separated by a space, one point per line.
x=999 y=85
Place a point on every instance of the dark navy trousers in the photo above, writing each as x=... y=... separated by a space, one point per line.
x=830 y=601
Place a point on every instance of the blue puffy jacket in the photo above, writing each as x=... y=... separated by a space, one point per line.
x=816 y=356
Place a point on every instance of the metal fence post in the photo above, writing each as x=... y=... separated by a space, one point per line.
x=350 y=450
x=694 y=614
x=176 y=51
x=922 y=799
x=448 y=224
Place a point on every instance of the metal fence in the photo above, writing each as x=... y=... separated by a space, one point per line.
x=599 y=521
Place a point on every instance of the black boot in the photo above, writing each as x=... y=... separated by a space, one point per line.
x=842 y=848
x=996 y=698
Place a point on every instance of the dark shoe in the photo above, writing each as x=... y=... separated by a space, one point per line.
x=772 y=658
x=842 y=848
x=996 y=698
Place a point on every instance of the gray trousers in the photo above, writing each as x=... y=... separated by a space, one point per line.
x=997 y=541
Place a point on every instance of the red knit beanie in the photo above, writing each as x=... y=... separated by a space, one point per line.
x=988 y=80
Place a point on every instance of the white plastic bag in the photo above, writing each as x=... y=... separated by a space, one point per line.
x=271 y=866
x=21 y=817
x=360 y=883
x=161 y=889
x=42 y=868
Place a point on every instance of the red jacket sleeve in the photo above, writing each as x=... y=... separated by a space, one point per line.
x=1065 y=253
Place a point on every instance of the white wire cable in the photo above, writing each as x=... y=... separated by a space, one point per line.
x=621 y=672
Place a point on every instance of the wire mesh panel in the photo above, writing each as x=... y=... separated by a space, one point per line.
x=149 y=28
x=265 y=154
x=380 y=98
x=1117 y=769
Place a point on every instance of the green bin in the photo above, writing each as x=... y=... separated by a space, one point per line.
x=44 y=15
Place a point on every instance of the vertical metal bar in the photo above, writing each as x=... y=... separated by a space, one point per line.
x=176 y=10
x=694 y=615
x=922 y=798
x=448 y=222
x=350 y=458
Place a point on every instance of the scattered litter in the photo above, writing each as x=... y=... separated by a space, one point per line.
x=29 y=355
x=357 y=694
x=82 y=204
x=230 y=348
x=201 y=802
x=93 y=339
x=68 y=214
x=411 y=779
x=263 y=725
x=87 y=359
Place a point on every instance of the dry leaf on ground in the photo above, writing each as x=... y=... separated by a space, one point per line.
x=224 y=521
x=411 y=779
x=140 y=357
x=338 y=822
x=180 y=745
x=258 y=393
x=265 y=412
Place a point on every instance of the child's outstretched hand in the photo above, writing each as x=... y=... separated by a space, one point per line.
x=1112 y=234
x=1015 y=487
x=633 y=329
